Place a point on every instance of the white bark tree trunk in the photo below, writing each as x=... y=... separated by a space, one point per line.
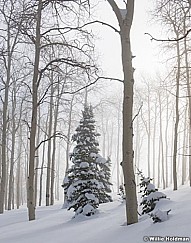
x=30 y=194
x=177 y=118
x=49 y=158
x=5 y=123
x=127 y=163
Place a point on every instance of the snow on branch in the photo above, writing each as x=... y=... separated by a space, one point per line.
x=123 y=13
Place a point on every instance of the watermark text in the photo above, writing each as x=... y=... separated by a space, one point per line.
x=166 y=239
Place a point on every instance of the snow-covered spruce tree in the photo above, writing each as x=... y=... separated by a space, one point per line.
x=66 y=183
x=104 y=175
x=122 y=193
x=150 y=196
x=83 y=184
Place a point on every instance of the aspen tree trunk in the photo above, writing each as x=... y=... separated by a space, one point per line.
x=26 y=160
x=18 y=177
x=111 y=142
x=141 y=139
x=136 y=151
x=104 y=137
x=53 y=172
x=68 y=139
x=54 y=150
x=172 y=146
x=86 y=97
x=49 y=144
x=128 y=168
x=189 y=101
x=22 y=199
x=4 y=125
x=69 y=133
x=0 y=152
x=57 y=190
x=13 y=194
x=11 y=187
x=148 y=143
x=43 y=161
x=37 y=160
x=41 y=174
x=108 y=133
x=177 y=118
x=161 y=141
x=189 y=154
x=149 y=131
x=118 y=146
x=11 y=42
x=30 y=196
x=7 y=170
x=178 y=167
x=186 y=168
x=56 y=112
x=154 y=138
x=127 y=164
x=159 y=156
x=184 y=147
x=166 y=138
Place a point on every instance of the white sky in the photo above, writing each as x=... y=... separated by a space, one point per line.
x=147 y=59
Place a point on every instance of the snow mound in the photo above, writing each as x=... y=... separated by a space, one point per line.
x=54 y=224
x=88 y=210
x=159 y=215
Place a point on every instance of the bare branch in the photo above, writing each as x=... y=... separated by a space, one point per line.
x=67 y=61
x=103 y=23
x=86 y=86
x=166 y=40
x=59 y=135
x=137 y=113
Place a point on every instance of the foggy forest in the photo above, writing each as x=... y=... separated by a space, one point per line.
x=95 y=121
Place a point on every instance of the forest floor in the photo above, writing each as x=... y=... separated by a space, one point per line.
x=55 y=225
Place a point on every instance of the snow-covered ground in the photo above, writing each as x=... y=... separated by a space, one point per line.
x=55 y=225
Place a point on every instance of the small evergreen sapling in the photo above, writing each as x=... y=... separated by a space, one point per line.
x=150 y=196
x=122 y=193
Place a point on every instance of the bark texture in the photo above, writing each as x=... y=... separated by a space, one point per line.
x=125 y=23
